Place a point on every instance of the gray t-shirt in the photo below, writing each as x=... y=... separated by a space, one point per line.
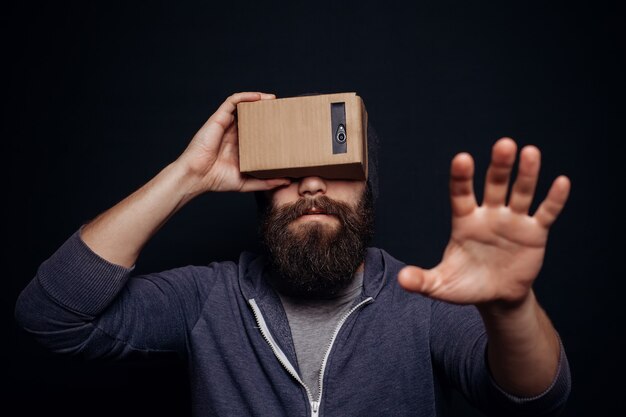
x=312 y=323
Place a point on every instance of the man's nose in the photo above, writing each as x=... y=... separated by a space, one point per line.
x=311 y=186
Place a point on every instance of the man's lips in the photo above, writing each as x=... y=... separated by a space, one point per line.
x=315 y=210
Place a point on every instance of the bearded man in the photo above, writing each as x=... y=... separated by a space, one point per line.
x=320 y=324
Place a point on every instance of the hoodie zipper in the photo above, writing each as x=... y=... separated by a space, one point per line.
x=280 y=355
x=284 y=361
x=332 y=341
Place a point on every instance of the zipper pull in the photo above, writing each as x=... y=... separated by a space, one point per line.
x=315 y=409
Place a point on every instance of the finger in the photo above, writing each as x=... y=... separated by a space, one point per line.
x=231 y=136
x=256 y=184
x=499 y=172
x=224 y=115
x=462 y=195
x=415 y=279
x=552 y=206
x=264 y=96
x=524 y=187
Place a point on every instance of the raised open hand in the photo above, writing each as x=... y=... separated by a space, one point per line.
x=496 y=250
x=213 y=153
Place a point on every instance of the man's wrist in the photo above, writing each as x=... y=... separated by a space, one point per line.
x=503 y=310
x=521 y=327
x=188 y=181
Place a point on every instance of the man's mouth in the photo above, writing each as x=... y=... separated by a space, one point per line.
x=317 y=214
x=314 y=211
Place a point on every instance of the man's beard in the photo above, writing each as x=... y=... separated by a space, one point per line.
x=312 y=259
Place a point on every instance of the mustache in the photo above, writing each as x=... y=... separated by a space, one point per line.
x=290 y=212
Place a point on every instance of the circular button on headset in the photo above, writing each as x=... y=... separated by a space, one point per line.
x=340 y=136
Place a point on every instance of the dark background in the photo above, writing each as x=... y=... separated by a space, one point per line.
x=100 y=97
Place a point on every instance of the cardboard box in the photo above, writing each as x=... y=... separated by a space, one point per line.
x=323 y=135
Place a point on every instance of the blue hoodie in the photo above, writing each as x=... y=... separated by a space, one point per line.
x=395 y=354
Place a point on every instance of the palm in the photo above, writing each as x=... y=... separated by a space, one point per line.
x=487 y=245
x=214 y=151
x=496 y=250
x=223 y=161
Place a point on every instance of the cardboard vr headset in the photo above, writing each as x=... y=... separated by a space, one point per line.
x=322 y=135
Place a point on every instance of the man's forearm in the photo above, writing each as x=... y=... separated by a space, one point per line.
x=523 y=347
x=119 y=234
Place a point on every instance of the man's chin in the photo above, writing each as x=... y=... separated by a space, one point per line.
x=316 y=254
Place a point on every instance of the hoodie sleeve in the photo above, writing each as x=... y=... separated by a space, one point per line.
x=79 y=303
x=459 y=351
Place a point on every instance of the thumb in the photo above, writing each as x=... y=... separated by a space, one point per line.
x=415 y=279
x=256 y=184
